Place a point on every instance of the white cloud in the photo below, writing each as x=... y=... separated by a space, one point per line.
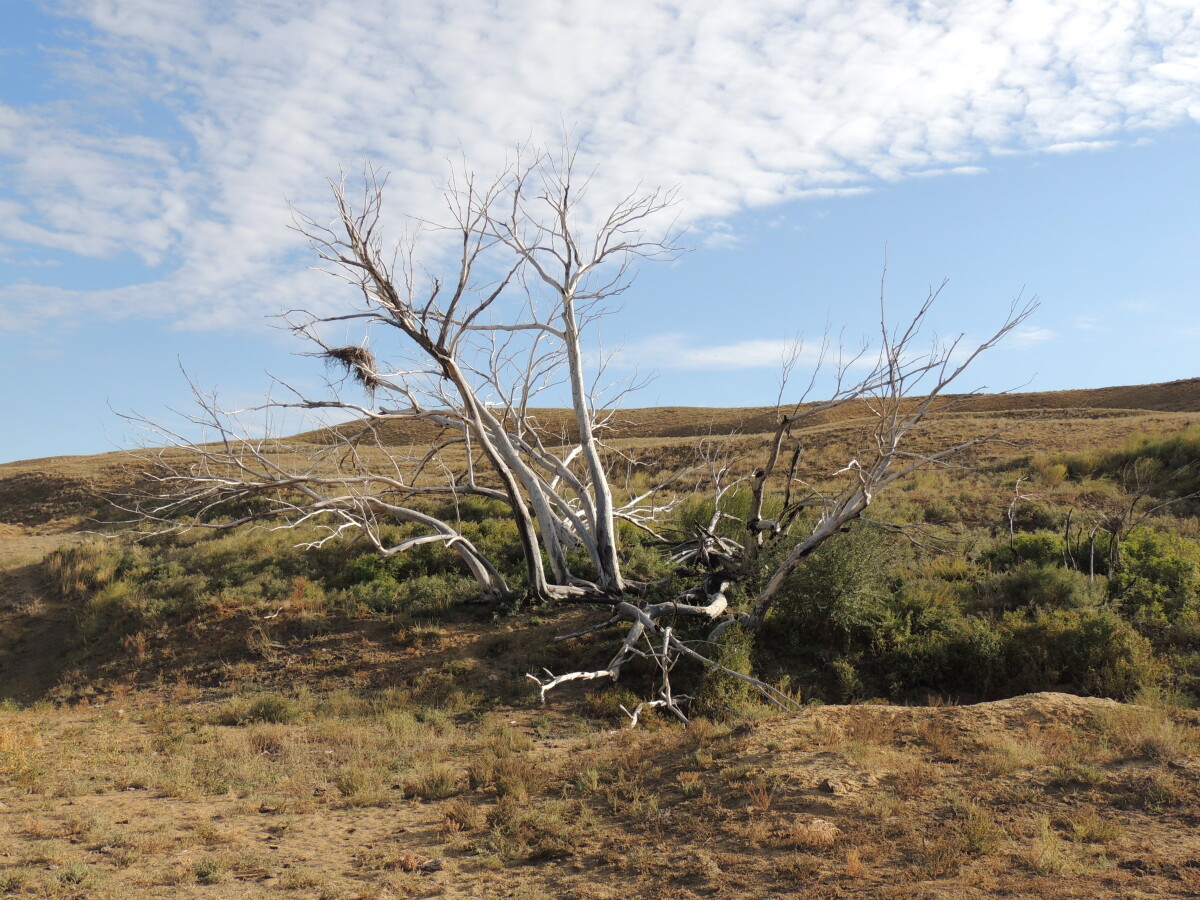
x=1029 y=336
x=1077 y=146
x=720 y=236
x=742 y=103
x=680 y=351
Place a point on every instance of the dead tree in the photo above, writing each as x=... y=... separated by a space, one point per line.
x=468 y=354
x=466 y=357
x=905 y=386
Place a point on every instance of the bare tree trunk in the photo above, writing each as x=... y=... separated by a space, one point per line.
x=610 y=579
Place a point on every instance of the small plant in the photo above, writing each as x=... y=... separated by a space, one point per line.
x=540 y=831
x=272 y=708
x=914 y=778
x=760 y=793
x=460 y=815
x=691 y=784
x=815 y=834
x=436 y=783
x=299 y=878
x=1048 y=854
x=75 y=874
x=1146 y=731
x=209 y=870
x=515 y=777
x=1156 y=791
x=942 y=855
x=1091 y=828
x=13 y=880
x=1073 y=772
x=1005 y=756
x=854 y=864
x=978 y=828
x=360 y=786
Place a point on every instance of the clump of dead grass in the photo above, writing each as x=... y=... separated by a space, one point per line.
x=811 y=834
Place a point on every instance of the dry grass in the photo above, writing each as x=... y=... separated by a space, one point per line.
x=303 y=769
x=333 y=802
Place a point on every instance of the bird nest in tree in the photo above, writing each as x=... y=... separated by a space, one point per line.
x=359 y=363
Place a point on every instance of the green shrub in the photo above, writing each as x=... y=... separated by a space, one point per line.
x=840 y=595
x=720 y=693
x=76 y=570
x=1105 y=655
x=1158 y=576
x=936 y=511
x=1031 y=515
x=1040 y=547
x=964 y=655
x=271 y=708
x=849 y=684
x=1168 y=464
x=1094 y=650
x=1033 y=584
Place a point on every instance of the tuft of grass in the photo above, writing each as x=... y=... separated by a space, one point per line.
x=76 y=875
x=209 y=870
x=552 y=830
x=361 y=785
x=760 y=793
x=914 y=778
x=272 y=708
x=300 y=878
x=1071 y=774
x=854 y=864
x=813 y=834
x=460 y=815
x=690 y=784
x=979 y=830
x=1047 y=853
x=13 y=881
x=437 y=782
x=1089 y=827
x=1146 y=732
x=1156 y=791
x=1006 y=755
x=942 y=855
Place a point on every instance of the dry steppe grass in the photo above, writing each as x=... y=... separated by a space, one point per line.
x=58 y=494
x=183 y=793
x=293 y=757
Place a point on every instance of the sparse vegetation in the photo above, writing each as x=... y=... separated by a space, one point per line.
x=230 y=713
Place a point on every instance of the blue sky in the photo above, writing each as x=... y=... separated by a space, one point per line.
x=148 y=151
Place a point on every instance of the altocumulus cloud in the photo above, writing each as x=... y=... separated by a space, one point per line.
x=741 y=103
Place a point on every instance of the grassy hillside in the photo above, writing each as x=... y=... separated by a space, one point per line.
x=230 y=716
x=56 y=493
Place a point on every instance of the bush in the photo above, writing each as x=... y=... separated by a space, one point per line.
x=840 y=595
x=1096 y=651
x=1041 y=547
x=962 y=655
x=936 y=511
x=1170 y=459
x=271 y=708
x=1034 y=516
x=1036 y=585
x=77 y=570
x=1157 y=577
x=719 y=693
